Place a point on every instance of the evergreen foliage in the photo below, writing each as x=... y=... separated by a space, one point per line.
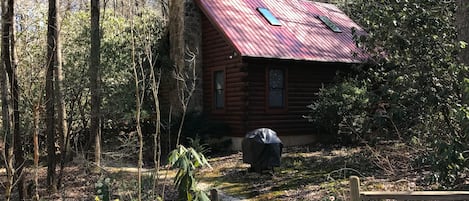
x=411 y=88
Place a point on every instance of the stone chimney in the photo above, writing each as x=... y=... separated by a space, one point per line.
x=185 y=38
x=193 y=44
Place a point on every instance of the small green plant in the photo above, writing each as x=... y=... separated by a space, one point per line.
x=103 y=189
x=187 y=160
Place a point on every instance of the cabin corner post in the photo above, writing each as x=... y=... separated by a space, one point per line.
x=355 y=188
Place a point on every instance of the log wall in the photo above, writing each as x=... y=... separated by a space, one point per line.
x=303 y=81
x=246 y=82
x=218 y=54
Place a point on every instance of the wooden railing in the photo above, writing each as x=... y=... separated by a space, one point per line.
x=357 y=195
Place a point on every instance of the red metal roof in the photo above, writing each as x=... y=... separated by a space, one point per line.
x=302 y=36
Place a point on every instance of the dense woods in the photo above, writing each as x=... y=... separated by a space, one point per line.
x=64 y=63
x=82 y=79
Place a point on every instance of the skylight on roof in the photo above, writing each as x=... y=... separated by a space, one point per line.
x=329 y=24
x=269 y=16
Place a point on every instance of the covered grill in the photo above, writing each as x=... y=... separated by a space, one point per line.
x=262 y=149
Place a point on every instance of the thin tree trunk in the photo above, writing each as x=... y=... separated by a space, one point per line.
x=6 y=126
x=18 y=146
x=169 y=148
x=8 y=50
x=462 y=25
x=138 y=101
x=186 y=85
x=94 y=72
x=6 y=123
x=52 y=33
x=155 y=78
x=62 y=126
x=36 y=149
x=181 y=125
x=155 y=85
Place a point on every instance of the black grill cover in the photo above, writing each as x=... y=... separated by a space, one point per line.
x=262 y=149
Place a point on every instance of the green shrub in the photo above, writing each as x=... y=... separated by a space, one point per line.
x=449 y=155
x=340 y=110
x=410 y=89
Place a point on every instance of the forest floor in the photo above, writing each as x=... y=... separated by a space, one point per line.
x=318 y=173
x=306 y=173
x=79 y=182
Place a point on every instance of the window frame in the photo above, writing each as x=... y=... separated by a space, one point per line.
x=268 y=107
x=269 y=16
x=330 y=24
x=216 y=109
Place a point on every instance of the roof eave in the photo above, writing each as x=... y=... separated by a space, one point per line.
x=345 y=61
x=217 y=26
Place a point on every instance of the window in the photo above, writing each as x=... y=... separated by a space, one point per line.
x=330 y=24
x=219 y=89
x=276 y=91
x=269 y=16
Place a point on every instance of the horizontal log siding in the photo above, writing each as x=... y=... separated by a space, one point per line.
x=245 y=87
x=216 y=56
x=304 y=81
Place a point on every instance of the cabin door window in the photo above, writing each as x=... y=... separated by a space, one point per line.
x=219 y=86
x=276 y=88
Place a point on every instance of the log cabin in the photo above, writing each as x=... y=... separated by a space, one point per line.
x=263 y=61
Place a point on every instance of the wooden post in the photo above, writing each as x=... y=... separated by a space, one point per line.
x=214 y=195
x=355 y=188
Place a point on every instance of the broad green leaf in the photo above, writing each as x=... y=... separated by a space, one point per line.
x=173 y=157
x=194 y=154
x=202 y=196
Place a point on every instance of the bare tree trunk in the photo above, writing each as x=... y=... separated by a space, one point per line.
x=18 y=146
x=139 y=96
x=6 y=122
x=36 y=149
x=155 y=78
x=8 y=139
x=6 y=134
x=62 y=126
x=186 y=79
x=95 y=87
x=10 y=64
x=155 y=86
x=169 y=148
x=462 y=25
x=52 y=34
x=138 y=100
